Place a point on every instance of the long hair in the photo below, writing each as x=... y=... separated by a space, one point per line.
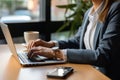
x=103 y=14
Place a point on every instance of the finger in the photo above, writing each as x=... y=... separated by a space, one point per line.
x=37 y=42
x=30 y=45
x=33 y=55
x=32 y=51
x=34 y=43
x=29 y=53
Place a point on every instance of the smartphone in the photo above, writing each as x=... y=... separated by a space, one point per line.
x=60 y=72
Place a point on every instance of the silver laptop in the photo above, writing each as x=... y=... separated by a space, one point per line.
x=22 y=57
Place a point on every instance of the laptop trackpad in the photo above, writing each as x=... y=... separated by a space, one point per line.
x=38 y=58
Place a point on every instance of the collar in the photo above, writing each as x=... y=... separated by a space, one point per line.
x=98 y=10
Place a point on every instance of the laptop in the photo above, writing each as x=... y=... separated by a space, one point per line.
x=22 y=57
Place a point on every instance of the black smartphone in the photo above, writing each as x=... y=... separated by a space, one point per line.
x=60 y=72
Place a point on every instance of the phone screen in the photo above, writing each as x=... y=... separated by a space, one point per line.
x=60 y=72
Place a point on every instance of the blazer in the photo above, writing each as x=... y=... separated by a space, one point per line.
x=106 y=52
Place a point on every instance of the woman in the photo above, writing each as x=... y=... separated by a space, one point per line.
x=96 y=42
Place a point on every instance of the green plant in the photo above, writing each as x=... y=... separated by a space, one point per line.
x=78 y=8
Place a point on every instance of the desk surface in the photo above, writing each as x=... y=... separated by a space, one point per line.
x=10 y=69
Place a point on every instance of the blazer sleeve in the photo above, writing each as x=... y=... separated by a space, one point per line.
x=108 y=46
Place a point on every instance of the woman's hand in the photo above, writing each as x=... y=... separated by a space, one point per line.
x=44 y=51
x=39 y=42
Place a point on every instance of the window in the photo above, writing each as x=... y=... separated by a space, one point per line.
x=57 y=14
x=19 y=10
x=31 y=10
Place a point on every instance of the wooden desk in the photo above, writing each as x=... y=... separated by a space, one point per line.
x=10 y=69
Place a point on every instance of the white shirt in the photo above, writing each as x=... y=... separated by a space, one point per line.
x=89 y=34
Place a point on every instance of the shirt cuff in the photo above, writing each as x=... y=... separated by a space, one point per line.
x=64 y=51
x=56 y=44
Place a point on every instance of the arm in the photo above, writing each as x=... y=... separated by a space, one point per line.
x=108 y=44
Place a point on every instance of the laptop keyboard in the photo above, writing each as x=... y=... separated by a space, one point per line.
x=24 y=58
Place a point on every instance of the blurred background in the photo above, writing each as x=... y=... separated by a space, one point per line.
x=41 y=15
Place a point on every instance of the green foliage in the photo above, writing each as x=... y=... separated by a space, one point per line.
x=10 y=3
x=78 y=8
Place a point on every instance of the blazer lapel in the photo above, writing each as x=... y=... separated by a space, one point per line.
x=98 y=27
x=83 y=32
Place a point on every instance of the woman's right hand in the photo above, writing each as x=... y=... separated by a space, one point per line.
x=46 y=52
x=39 y=42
